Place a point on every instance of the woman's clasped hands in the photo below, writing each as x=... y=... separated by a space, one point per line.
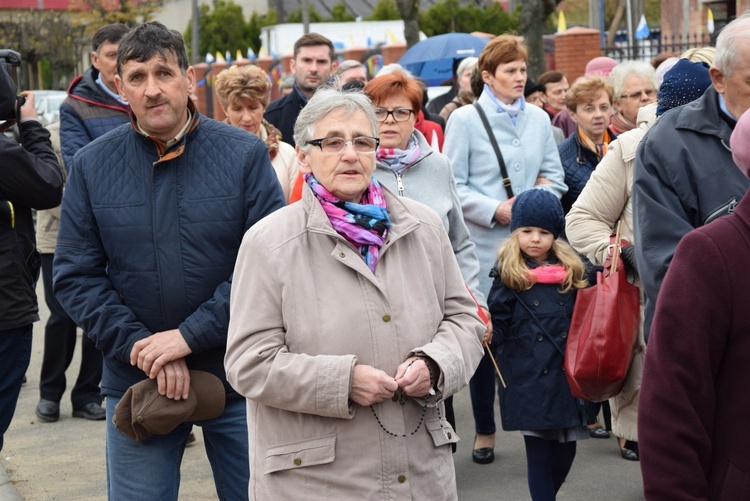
x=371 y=385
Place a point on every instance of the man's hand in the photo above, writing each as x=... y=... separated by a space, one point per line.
x=28 y=110
x=371 y=385
x=173 y=380
x=413 y=377
x=502 y=213
x=154 y=352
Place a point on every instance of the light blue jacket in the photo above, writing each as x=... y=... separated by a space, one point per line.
x=529 y=151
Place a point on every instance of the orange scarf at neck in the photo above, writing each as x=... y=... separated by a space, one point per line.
x=601 y=148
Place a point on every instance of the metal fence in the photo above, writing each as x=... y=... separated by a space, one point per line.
x=646 y=50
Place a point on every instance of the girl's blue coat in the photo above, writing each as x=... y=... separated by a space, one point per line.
x=537 y=396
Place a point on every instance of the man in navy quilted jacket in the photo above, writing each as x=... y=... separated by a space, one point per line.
x=152 y=220
x=91 y=109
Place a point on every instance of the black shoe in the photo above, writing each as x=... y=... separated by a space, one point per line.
x=91 y=411
x=600 y=432
x=485 y=455
x=630 y=451
x=48 y=411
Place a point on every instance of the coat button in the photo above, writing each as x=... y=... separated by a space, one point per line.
x=562 y=303
x=539 y=338
x=449 y=435
x=386 y=318
x=516 y=142
x=394 y=398
x=297 y=461
x=342 y=255
x=545 y=371
x=564 y=335
x=536 y=302
x=401 y=479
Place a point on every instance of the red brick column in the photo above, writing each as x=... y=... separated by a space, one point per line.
x=392 y=52
x=574 y=48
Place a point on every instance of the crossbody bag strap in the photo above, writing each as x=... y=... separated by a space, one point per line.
x=498 y=153
x=538 y=322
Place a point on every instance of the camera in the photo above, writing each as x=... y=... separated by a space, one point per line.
x=10 y=102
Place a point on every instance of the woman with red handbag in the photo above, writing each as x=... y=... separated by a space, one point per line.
x=531 y=303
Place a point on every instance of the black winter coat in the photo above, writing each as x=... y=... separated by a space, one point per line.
x=283 y=112
x=537 y=396
x=30 y=178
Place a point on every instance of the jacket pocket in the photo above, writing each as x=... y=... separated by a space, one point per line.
x=441 y=431
x=300 y=454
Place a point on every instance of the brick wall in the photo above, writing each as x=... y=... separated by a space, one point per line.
x=574 y=48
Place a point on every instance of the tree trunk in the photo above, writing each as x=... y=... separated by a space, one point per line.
x=616 y=20
x=534 y=13
x=409 y=10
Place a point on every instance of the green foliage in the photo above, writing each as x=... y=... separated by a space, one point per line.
x=254 y=26
x=385 y=10
x=296 y=15
x=339 y=14
x=448 y=15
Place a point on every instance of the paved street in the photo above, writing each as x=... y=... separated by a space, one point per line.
x=65 y=460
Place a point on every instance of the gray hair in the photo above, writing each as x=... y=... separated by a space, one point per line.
x=467 y=63
x=326 y=101
x=392 y=68
x=347 y=65
x=628 y=68
x=729 y=39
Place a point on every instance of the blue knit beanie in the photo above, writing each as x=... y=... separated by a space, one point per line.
x=538 y=208
x=685 y=82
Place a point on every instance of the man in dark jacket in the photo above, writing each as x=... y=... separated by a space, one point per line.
x=311 y=65
x=30 y=178
x=684 y=173
x=91 y=109
x=151 y=224
x=692 y=420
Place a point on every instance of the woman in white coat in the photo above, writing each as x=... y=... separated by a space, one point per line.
x=525 y=139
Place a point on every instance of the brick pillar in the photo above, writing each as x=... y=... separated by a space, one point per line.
x=392 y=52
x=355 y=53
x=214 y=109
x=201 y=69
x=574 y=48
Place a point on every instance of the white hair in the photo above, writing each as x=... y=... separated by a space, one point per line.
x=732 y=36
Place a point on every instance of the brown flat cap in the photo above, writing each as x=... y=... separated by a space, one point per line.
x=142 y=412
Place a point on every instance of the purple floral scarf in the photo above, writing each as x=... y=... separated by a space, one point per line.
x=364 y=225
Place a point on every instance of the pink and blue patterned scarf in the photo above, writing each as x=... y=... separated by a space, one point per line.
x=364 y=225
x=396 y=159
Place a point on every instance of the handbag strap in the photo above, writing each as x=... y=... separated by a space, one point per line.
x=498 y=153
x=538 y=322
x=612 y=262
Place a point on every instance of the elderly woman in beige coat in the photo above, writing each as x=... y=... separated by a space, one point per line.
x=350 y=323
x=605 y=201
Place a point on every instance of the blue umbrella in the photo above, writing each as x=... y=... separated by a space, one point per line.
x=431 y=60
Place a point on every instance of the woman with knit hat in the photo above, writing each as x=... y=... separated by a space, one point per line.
x=531 y=303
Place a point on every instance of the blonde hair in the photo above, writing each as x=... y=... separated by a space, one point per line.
x=243 y=83
x=514 y=272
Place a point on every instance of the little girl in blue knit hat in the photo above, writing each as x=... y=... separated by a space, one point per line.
x=531 y=302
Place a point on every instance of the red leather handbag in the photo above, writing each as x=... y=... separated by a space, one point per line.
x=603 y=332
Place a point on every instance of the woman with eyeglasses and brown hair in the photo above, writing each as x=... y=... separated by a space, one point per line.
x=349 y=325
x=634 y=84
x=409 y=167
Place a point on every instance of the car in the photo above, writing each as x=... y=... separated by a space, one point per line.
x=48 y=105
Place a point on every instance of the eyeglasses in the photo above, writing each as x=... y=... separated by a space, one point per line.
x=399 y=114
x=637 y=94
x=361 y=144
